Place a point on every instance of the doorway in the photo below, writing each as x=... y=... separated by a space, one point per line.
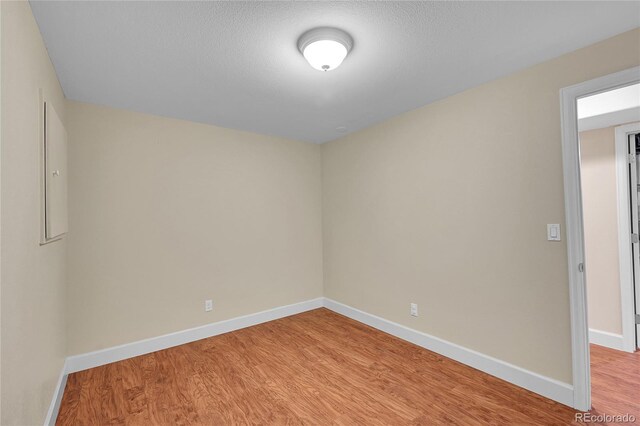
x=628 y=138
x=623 y=172
x=608 y=125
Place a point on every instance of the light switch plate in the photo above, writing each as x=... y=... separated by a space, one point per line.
x=553 y=232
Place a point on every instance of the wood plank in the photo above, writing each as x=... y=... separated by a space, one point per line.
x=320 y=367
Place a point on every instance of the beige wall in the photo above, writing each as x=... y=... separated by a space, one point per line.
x=599 y=200
x=167 y=213
x=33 y=276
x=447 y=205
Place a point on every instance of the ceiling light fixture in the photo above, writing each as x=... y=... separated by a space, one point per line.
x=325 y=48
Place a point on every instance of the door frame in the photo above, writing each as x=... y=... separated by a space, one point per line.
x=627 y=290
x=575 y=226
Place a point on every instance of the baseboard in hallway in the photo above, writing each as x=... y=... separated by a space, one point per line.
x=604 y=338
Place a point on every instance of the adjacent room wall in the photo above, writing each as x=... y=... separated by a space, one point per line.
x=447 y=206
x=600 y=211
x=33 y=276
x=166 y=213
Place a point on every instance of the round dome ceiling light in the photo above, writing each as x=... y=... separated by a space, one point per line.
x=325 y=48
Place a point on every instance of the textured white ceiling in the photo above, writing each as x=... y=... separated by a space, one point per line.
x=235 y=64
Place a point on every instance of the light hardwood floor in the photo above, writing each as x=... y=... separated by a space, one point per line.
x=615 y=382
x=320 y=368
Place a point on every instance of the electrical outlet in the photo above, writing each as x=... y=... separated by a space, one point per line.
x=414 y=310
x=208 y=305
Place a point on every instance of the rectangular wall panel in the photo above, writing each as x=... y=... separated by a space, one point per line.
x=55 y=174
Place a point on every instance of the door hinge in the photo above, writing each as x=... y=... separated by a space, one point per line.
x=631 y=158
x=635 y=239
x=581 y=267
x=637 y=318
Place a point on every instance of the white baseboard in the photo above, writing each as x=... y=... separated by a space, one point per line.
x=52 y=414
x=545 y=386
x=604 y=338
x=141 y=347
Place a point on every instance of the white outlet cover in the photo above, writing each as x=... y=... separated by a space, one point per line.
x=208 y=305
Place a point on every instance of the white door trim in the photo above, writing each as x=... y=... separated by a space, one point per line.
x=624 y=237
x=575 y=226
